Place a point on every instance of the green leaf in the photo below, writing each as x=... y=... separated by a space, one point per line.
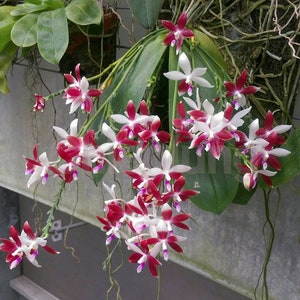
x=146 y=12
x=27 y=8
x=215 y=179
x=23 y=33
x=52 y=35
x=6 y=24
x=207 y=45
x=53 y=4
x=290 y=165
x=243 y=196
x=7 y=55
x=130 y=81
x=84 y=12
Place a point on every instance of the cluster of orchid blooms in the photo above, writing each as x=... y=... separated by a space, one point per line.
x=148 y=219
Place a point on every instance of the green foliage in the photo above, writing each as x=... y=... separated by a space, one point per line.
x=129 y=78
x=23 y=33
x=53 y=28
x=84 y=12
x=217 y=181
x=6 y=57
x=27 y=8
x=43 y=23
x=146 y=12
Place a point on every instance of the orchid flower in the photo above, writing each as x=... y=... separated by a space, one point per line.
x=177 y=220
x=168 y=171
x=164 y=239
x=26 y=244
x=132 y=120
x=238 y=90
x=177 y=33
x=267 y=129
x=78 y=93
x=39 y=167
x=144 y=255
x=39 y=103
x=188 y=76
x=154 y=134
x=178 y=194
x=117 y=141
x=250 y=177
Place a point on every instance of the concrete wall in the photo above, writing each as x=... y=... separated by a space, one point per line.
x=228 y=248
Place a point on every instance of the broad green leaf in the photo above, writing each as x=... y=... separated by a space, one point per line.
x=215 y=179
x=27 y=8
x=5 y=12
x=290 y=165
x=53 y=4
x=130 y=82
x=243 y=196
x=7 y=55
x=52 y=35
x=23 y=33
x=209 y=47
x=6 y=24
x=146 y=12
x=84 y=12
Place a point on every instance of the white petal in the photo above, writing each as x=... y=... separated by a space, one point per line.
x=34 y=177
x=180 y=168
x=282 y=128
x=198 y=72
x=108 y=132
x=237 y=120
x=208 y=107
x=184 y=64
x=105 y=147
x=75 y=104
x=191 y=103
x=279 y=152
x=120 y=119
x=73 y=127
x=84 y=84
x=241 y=100
x=254 y=126
x=267 y=172
x=61 y=132
x=200 y=126
x=166 y=160
x=44 y=159
x=175 y=75
x=154 y=171
x=202 y=82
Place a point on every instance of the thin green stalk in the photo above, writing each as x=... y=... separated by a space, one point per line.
x=49 y=222
x=173 y=60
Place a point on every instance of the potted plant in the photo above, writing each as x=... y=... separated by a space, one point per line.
x=42 y=24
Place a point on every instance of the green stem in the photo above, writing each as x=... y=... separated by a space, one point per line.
x=173 y=61
x=125 y=63
x=49 y=222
